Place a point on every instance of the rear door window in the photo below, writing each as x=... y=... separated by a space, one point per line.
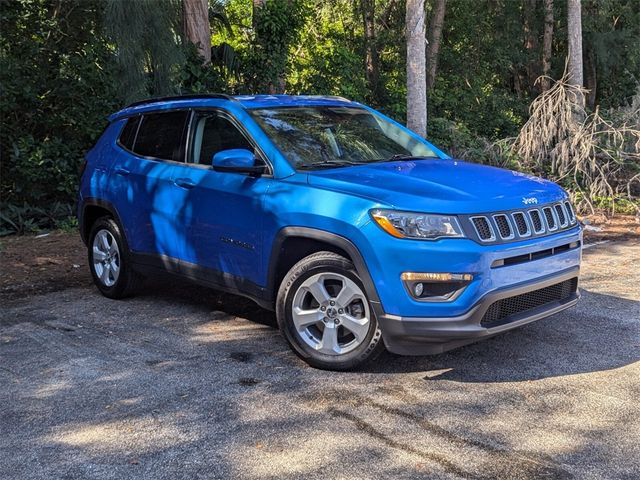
x=161 y=135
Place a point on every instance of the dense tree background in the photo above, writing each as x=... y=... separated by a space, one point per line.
x=66 y=64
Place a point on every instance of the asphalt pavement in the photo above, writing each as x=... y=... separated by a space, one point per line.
x=183 y=382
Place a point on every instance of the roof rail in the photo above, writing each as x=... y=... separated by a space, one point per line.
x=181 y=97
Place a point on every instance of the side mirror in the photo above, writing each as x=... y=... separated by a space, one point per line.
x=236 y=160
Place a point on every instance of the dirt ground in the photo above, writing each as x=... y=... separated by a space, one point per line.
x=181 y=382
x=57 y=260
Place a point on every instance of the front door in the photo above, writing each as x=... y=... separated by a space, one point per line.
x=222 y=212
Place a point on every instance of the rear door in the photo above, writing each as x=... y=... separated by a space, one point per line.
x=151 y=145
x=223 y=212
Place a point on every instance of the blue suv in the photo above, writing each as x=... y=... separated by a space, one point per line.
x=356 y=231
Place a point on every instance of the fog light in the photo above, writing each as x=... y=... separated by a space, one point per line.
x=437 y=277
x=436 y=287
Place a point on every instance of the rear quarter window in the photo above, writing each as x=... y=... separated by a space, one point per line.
x=161 y=135
x=128 y=134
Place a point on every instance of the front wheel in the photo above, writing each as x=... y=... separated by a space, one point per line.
x=325 y=315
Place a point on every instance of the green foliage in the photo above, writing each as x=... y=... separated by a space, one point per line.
x=277 y=26
x=67 y=64
x=617 y=204
x=148 y=50
x=327 y=60
x=25 y=218
x=57 y=90
x=195 y=77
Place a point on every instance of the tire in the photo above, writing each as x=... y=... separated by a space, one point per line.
x=325 y=316
x=109 y=260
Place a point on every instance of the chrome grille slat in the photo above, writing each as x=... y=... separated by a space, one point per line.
x=550 y=219
x=504 y=226
x=570 y=212
x=522 y=226
x=483 y=228
x=561 y=214
x=536 y=221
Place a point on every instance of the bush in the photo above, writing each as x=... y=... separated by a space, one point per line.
x=25 y=218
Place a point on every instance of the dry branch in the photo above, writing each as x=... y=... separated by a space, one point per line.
x=596 y=156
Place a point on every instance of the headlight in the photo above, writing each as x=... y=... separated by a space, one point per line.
x=417 y=225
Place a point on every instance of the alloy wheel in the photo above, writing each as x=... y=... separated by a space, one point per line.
x=106 y=257
x=331 y=313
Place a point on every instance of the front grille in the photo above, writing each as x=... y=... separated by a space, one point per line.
x=570 y=212
x=551 y=220
x=482 y=228
x=503 y=226
x=537 y=221
x=562 y=218
x=503 y=311
x=521 y=224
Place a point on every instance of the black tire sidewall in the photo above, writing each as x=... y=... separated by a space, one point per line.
x=331 y=263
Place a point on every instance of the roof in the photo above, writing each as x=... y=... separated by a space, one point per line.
x=217 y=100
x=262 y=101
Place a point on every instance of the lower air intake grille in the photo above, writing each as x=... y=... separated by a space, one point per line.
x=501 y=311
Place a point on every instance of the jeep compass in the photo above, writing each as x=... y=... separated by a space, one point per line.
x=360 y=234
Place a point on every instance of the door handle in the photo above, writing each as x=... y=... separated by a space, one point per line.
x=122 y=171
x=184 y=183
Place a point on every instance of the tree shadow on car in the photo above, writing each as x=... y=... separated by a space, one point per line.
x=601 y=333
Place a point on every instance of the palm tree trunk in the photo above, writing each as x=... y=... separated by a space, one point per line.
x=435 y=39
x=531 y=43
x=256 y=5
x=416 y=68
x=197 y=28
x=547 y=44
x=371 y=60
x=574 y=28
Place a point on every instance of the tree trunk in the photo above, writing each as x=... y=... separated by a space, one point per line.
x=371 y=60
x=435 y=39
x=256 y=5
x=574 y=28
x=197 y=28
x=547 y=44
x=416 y=68
x=530 y=43
x=590 y=77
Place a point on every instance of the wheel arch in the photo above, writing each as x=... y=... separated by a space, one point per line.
x=92 y=209
x=294 y=243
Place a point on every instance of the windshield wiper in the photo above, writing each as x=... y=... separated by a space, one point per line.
x=329 y=163
x=402 y=156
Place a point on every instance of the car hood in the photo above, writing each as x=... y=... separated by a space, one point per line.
x=439 y=186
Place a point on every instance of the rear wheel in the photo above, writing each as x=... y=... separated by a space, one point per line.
x=325 y=315
x=109 y=260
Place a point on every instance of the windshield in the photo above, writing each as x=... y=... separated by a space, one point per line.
x=327 y=137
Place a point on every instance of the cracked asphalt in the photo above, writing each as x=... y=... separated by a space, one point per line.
x=183 y=382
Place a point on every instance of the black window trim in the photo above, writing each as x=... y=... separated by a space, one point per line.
x=185 y=132
x=118 y=142
x=259 y=152
x=186 y=137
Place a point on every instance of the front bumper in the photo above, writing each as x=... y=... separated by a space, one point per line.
x=422 y=336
